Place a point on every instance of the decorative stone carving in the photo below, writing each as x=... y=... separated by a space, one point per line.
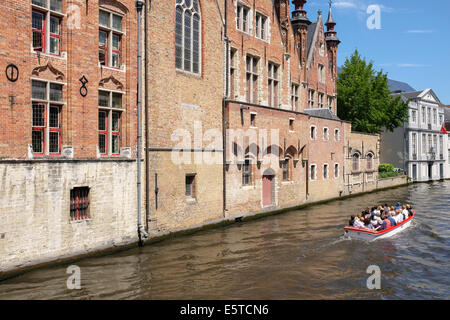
x=59 y=75
x=118 y=84
x=67 y=152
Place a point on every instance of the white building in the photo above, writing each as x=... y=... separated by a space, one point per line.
x=419 y=147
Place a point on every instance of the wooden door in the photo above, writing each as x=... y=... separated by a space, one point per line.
x=267 y=190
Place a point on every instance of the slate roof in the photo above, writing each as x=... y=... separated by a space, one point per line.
x=311 y=30
x=322 y=113
x=399 y=86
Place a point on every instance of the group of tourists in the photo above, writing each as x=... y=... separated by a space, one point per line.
x=381 y=217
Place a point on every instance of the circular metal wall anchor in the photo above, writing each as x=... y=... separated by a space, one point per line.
x=12 y=72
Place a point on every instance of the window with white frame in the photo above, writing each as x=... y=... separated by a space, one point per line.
x=242 y=18
x=337 y=135
x=321 y=48
x=326 y=135
x=413 y=116
x=110 y=36
x=295 y=96
x=261 y=26
x=336 y=170
x=47 y=103
x=330 y=102
x=424 y=143
x=252 y=79
x=187 y=36
x=46 y=26
x=434 y=116
x=272 y=85
x=320 y=99
x=423 y=115
x=325 y=171
x=109 y=122
x=313 y=172
x=321 y=70
x=233 y=72
x=311 y=98
x=414 y=144
x=313 y=133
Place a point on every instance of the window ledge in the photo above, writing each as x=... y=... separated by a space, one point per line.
x=249 y=187
x=80 y=221
x=62 y=56
x=190 y=200
x=189 y=74
x=121 y=69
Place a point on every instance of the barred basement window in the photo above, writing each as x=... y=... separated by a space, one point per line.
x=110 y=39
x=187 y=35
x=79 y=203
x=109 y=122
x=190 y=185
x=285 y=167
x=46 y=26
x=46 y=118
x=246 y=173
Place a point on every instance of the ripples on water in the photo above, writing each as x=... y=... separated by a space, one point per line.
x=297 y=255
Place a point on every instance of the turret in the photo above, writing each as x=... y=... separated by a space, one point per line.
x=332 y=42
x=300 y=23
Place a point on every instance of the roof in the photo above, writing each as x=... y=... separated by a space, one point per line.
x=330 y=18
x=311 y=31
x=322 y=113
x=399 y=86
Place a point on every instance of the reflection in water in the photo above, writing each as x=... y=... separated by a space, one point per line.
x=296 y=255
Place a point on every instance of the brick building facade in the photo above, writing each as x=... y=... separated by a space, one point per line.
x=67 y=152
x=242 y=119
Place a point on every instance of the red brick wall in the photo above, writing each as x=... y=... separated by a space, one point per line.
x=79 y=56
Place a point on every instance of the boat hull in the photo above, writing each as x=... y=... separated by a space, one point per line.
x=356 y=233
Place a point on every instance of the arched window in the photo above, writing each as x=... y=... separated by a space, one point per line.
x=355 y=165
x=187 y=35
x=369 y=159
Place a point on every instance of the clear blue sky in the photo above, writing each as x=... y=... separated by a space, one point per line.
x=412 y=46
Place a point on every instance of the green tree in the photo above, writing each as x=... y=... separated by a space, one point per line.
x=365 y=100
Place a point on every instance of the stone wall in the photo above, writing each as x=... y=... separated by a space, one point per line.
x=392 y=182
x=35 y=209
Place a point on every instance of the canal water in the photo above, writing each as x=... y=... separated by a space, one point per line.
x=296 y=255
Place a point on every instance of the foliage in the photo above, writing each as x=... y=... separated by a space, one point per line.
x=365 y=100
x=382 y=175
x=386 y=167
